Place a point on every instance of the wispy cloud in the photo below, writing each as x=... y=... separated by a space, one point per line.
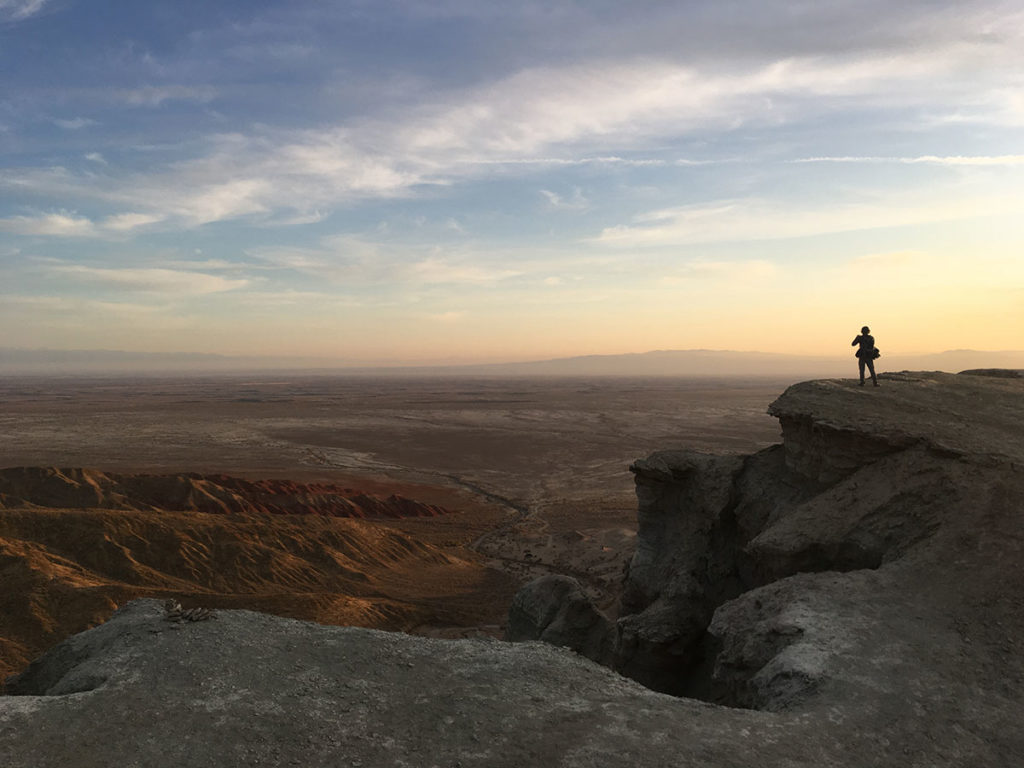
x=149 y=280
x=574 y=202
x=155 y=95
x=74 y=124
x=996 y=160
x=439 y=269
x=596 y=111
x=312 y=260
x=288 y=298
x=17 y=10
x=352 y=261
x=201 y=264
x=765 y=219
x=189 y=196
x=65 y=224
x=125 y=222
x=742 y=271
x=626 y=102
x=282 y=52
x=636 y=162
x=219 y=201
x=61 y=224
x=70 y=305
x=297 y=220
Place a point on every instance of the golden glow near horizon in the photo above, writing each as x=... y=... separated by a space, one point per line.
x=283 y=181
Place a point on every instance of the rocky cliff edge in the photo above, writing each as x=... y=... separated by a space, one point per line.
x=867 y=573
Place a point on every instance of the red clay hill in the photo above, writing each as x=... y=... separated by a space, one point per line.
x=76 y=543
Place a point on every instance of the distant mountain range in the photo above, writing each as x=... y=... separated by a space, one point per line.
x=686 y=362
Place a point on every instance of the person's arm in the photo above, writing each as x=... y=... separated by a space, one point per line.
x=855 y=342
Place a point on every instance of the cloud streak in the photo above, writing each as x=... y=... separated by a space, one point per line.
x=19 y=10
x=745 y=220
x=744 y=271
x=954 y=160
x=65 y=224
x=575 y=202
x=355 y=262
x=156 y=95
x=149 y=280
x=61 y=224
x=540 y=116
x=74 y=124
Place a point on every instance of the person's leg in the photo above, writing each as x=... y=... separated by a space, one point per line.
x=860 y=367
x=871 y=367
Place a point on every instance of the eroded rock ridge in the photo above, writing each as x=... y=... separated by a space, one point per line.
x=65 y=488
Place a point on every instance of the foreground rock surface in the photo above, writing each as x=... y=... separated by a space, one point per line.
x=250 y=689
x=866 y=573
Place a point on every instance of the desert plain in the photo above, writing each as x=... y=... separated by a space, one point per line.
x=532 y=475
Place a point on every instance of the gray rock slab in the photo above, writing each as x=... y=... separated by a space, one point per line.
x=252 y=689
x=956 y=413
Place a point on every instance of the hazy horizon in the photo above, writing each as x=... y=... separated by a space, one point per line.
x=686 y=363
x=471 y=182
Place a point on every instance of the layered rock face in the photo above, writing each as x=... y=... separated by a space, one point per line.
x=75 y=543
x=872 y=565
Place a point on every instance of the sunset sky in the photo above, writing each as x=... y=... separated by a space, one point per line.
x=389 y=181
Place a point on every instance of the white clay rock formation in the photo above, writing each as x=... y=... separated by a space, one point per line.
x=868 y=573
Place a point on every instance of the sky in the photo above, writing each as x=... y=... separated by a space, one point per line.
x=393 y=182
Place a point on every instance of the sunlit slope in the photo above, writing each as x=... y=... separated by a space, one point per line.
x=64 y=569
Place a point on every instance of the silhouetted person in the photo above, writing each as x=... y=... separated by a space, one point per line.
x=866 y=354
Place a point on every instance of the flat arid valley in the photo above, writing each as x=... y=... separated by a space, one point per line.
x=523 y=477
